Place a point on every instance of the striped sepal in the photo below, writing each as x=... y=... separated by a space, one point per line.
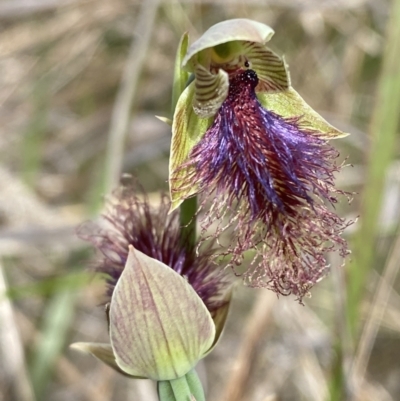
x=270 y=68
x=210 y=91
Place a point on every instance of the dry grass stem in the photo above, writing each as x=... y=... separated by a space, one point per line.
x=126 y=93
x=257 y=323
x=374 y=318
x=12 y=360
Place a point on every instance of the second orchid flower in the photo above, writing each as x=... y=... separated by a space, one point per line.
x=167 y=306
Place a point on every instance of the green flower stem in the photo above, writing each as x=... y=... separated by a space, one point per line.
x=195 y=385
x=384 y=134
x=182 y=389
x=165 y=392
x=188 y=222
x=189 y=206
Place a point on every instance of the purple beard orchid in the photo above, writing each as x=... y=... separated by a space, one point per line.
x=167 y=306
x=254 y=150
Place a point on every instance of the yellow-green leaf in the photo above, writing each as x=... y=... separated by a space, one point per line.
x=159 y=326
x=290 y=104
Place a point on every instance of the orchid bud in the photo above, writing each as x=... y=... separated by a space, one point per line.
x=159 y=327
x=167 y=304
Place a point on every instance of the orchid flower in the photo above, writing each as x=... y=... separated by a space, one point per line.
x=246 y=141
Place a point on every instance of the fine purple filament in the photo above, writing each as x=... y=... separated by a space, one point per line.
x=274 y=176
x=260 y=156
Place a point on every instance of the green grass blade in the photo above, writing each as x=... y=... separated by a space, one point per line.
x=50 y=286
x=56 y=323
x=384 y=126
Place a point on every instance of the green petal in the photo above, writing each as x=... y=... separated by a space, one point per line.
x=187 y=130
x=103 y=352
x=290 y=104
x=210 y=91
x=159 y=327
x=240 y=29
x=271 y=69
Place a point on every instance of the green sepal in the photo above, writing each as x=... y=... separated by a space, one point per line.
x=271 y=69
x=180 y=75
x=290 y=104
x=187 y=130
x=104 y=353
x=240 y=29
x=219 y=318
x=159 y=326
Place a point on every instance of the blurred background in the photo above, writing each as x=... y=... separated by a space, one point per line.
x=80 y=84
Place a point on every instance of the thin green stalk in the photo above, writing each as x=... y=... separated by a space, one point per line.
x=383 y=130
x=337 y=385
x=384 y=125
x=184 y=388
x=195 y=385
x=189 y=206
x=57 y=322
x=181 y=389
x=188 y=222
x=164 y=391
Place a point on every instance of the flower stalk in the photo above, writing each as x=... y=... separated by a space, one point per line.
x=189 y=206
x=185 y=388
x=188 y=223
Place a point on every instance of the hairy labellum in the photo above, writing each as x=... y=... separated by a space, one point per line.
x=276 y=176
x=131 y=221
